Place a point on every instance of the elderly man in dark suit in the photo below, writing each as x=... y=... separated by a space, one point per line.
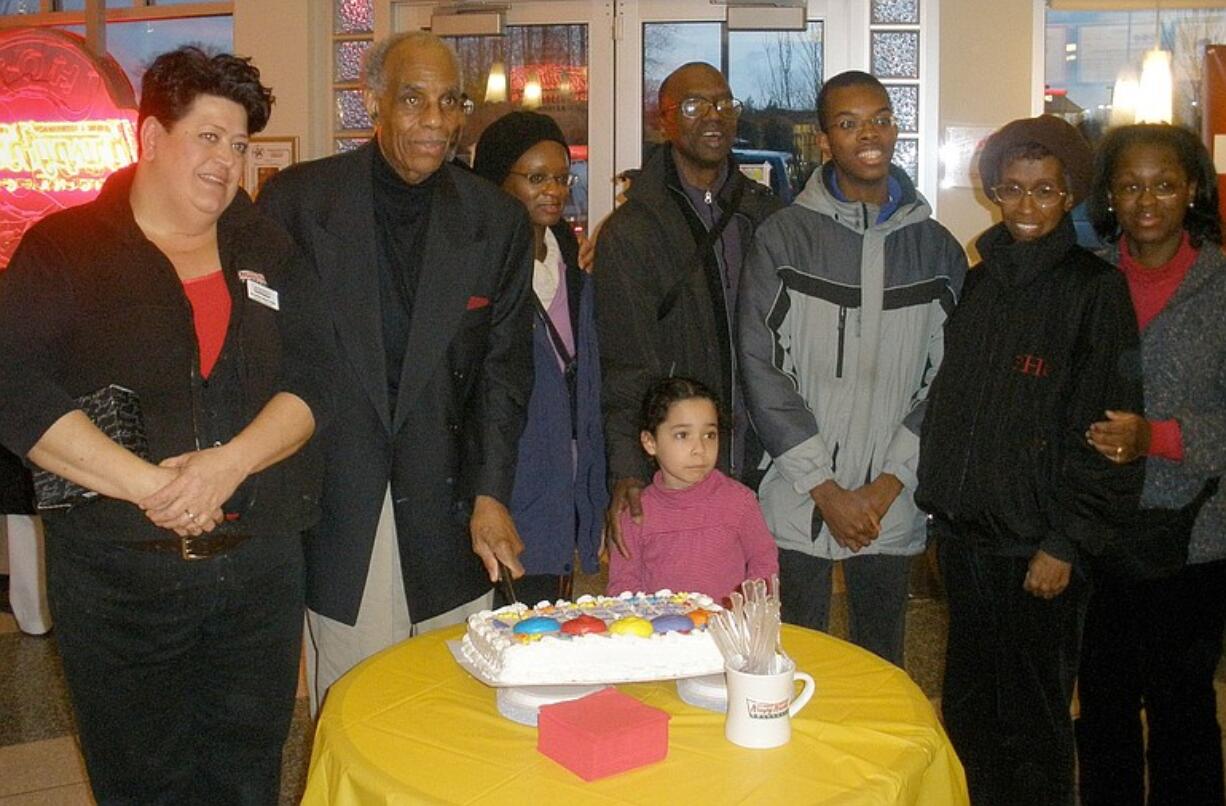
x=428 y=269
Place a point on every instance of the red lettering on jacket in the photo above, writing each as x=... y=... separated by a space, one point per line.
x=1029 y=364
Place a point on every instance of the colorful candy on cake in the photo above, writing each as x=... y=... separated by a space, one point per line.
x=595 y=639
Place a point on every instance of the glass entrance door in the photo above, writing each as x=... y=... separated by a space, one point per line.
x=775 y=74
x=597 y=66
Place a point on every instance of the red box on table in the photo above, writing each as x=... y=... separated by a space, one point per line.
x=603 y=733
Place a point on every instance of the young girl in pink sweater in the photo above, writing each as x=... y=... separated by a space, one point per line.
x=700 y=531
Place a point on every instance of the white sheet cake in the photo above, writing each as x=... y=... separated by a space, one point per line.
x=632 y=637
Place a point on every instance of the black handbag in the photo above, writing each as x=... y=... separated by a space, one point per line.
x=117 y=413
x=1153 y=543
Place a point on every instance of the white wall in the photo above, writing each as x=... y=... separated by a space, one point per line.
x=280 y=37
x=986 y=55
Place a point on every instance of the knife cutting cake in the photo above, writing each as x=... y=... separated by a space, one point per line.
x=595 y=639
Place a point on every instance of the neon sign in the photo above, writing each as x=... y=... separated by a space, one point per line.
x=67 y=121
x=71 y=156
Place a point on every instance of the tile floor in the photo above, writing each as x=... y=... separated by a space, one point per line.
x=40 y=762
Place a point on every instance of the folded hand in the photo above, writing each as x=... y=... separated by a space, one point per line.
x=191 y=503
x=850 y=514
x=1047 y=577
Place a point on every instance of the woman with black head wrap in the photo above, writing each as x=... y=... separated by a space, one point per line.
x=559 y=495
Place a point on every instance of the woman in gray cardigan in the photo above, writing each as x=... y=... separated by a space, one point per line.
x=1155 y=643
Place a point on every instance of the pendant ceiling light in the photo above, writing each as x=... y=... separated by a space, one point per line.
x=1124 y=99
x=1156 y=90
x=496 y=84
x=532 y=92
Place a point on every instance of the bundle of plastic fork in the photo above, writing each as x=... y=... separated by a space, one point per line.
x=747 y=634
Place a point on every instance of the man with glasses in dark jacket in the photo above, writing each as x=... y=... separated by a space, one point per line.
x=668 y=265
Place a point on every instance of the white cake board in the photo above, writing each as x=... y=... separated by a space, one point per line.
x=709 y=692
x=522 y=704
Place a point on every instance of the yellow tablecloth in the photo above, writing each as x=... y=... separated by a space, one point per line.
x=410 y=726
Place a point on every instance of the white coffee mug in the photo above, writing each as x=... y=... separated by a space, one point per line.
x=761 y=706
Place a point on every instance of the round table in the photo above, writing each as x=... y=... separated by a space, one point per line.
x=410 y=726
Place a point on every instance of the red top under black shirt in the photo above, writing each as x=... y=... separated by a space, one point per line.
x=210 y=301
x=1151 y=290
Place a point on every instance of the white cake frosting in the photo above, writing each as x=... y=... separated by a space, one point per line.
x=508 y=658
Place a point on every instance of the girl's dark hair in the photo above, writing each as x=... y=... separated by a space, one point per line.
x=1202 y=220
x=175 y=79
x=665 y=392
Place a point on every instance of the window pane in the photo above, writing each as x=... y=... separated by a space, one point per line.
x=351 y=110
x=895 y=12
x=353 y=17
x=551 y=57
x=906 y=156
x=69 y=5
x=667 y=46
x=776 y=75
x=895 y=54
x=136 y=44
x=1088 y=51
x=19 y=7
x=776 y=69
x=904 y=100
x=347 y=60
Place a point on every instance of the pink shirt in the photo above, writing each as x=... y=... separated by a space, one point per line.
x=708 y=538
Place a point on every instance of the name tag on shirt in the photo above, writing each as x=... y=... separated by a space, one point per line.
x=263 y=294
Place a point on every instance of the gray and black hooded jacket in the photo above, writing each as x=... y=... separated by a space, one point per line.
x=841 y=331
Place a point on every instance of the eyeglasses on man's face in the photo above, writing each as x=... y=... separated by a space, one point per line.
x=1165 y=190
x=699 y=107
x=1044 y=195
x=449 y=103
x=537 y=180
x=879 y=122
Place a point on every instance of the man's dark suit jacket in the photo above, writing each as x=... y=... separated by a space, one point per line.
x=463 y=392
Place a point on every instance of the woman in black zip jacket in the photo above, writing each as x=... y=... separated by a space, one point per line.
x=177 y=589
x=1042 y=344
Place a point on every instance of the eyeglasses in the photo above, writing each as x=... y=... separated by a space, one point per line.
x=539 y=180
x=1131 y=191
x=447 y=104
x=699 y=107
x=880 y=123
x=1043 y=195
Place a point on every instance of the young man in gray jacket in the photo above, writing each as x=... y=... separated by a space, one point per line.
x=843 y=301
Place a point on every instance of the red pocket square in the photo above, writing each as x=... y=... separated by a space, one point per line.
x=477 y=303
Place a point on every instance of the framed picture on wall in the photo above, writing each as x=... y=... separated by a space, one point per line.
x=266 y=156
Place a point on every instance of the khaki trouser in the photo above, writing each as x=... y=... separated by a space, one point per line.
x=333 y=647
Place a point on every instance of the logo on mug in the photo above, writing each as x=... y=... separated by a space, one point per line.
x=767 y=710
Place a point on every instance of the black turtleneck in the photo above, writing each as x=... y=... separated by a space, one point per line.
x=402 y=212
